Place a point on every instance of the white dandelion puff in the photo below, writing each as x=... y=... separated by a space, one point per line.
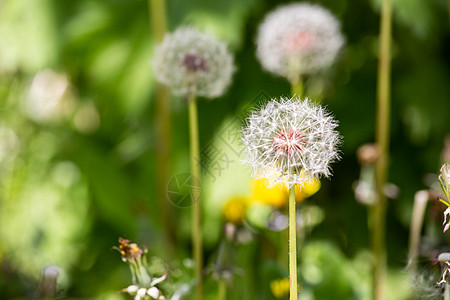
x=193 y=63
x=290 y=141
x=298 y=38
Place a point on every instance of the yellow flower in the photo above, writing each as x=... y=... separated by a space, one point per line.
x=275 y=195
x=278 y=194
x=235 y=209
x=280 y=287
x=309 y=188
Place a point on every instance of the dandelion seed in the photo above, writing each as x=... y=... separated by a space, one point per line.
x=290 y=141
x=297 y=39
x=191 y=62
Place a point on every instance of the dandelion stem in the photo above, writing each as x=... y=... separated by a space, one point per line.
x=157 y=12
x=382 y=139
x=222 y=289
x=292 y=245
x=196 y=207
x=448 y=7
x=297 y=87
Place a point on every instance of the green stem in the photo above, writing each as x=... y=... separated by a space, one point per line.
x=292 y=245
x=448 y=7
x=420 y=205
x=196 y=207
x=157 y=11
x=158 y=24
x=222 y=289
x=382 y=139
x=297 y=87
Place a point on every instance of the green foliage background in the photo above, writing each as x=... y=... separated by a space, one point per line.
x=67 y=193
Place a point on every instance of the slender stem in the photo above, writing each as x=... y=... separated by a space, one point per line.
x=292 y=245
x=382 y=139
x=196 y=207
x=222 y=289
x=158 y=24
x=157 y=10
x=448 y=7
x=297 y=87
x=420 y=205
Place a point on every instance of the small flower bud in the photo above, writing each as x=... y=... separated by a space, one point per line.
x=132 y=289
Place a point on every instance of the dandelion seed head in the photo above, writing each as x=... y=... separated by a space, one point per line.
x=192 y=62
x=424 y=284
x=298 y=38
x=290 y=141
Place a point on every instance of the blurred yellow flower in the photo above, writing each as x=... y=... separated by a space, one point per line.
x=309 y=188
x=280 y=287
x=234 y=209
x=275 y=195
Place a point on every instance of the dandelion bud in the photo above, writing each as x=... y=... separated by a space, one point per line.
x=290 y=141
x=140 y=294
x=191 y=62
x=132 y=289
x=298 y=38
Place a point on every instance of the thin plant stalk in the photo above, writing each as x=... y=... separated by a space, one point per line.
x=158 y=24
x=292 y=245
x=296 y=90
x=297 y=87
x=382 y=140
x=420 y=205
x=195 y=194
x=222 y=289
x=448 y=7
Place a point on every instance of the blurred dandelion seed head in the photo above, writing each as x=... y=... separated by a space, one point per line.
x=298 y=38
x=290 y=141
x=49 y=99
x=192 y=62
